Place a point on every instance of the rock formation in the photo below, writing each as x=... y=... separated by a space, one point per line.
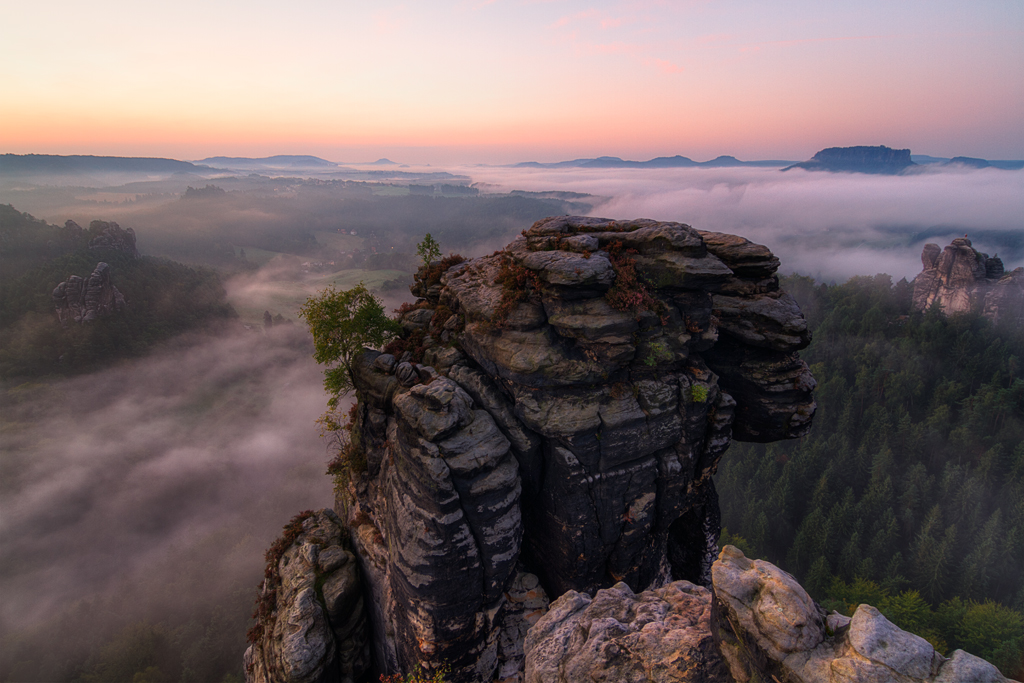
x=552 y=422
x=862 y=159
x=82 y=300
x=110 y=235
x=755 y=624
x=961 y=279
x=547 y=427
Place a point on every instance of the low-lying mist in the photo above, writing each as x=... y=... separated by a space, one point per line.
x=832 y=225
x=148 y=492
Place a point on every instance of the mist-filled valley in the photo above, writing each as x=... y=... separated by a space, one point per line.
x=141 y=482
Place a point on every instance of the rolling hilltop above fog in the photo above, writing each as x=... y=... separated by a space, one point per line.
x=863 y=159
x=860 y=159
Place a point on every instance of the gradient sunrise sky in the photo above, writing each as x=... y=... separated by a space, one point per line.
x=509 y=80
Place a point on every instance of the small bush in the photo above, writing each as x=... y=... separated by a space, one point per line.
x=418 y=676
x=629 y=292
x=517 y=284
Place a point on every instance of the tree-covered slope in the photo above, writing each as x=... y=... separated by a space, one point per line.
x=163 y=298
x=909 y=491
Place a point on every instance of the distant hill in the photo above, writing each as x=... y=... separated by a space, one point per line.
x=277 y=161
x=862 y=159
x=1004 y=164
x=33 y=164
x=676 y=161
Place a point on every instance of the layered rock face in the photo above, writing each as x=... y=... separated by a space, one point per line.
x=560 y=428
x=317 y=632
x=961 y=279
x=755 y=624
x=83 y=300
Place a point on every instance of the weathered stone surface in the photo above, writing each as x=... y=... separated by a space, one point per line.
x=771 y=321
x=309 y=639
x=766 y=604
x=84 y=300
x=962 y=666
x=961 y=279
x=874 y=637
x=435 y=409
x=745 y=258
x=773 y=391
x=659 y=636
x=571 y=269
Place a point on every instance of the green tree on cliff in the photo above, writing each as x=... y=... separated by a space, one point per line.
x=343 y=323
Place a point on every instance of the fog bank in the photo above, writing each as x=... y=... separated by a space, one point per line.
x=155 y=486
x=835 y=225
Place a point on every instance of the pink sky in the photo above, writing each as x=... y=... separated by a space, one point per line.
x=510 y=80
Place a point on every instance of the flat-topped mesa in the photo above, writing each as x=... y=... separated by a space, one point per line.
x=961 y=279
x=555 y=412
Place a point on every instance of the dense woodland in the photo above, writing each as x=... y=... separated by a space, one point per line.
x=163 y=298
x=909 y=492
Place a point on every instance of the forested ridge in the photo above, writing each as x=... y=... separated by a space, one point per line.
x=909 y=492
x=164 y=298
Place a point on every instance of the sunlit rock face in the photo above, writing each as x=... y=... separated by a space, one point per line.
x=562 y=425
x=961 y=279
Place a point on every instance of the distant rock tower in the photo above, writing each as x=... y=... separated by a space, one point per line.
x=82 y=300
x=961 y=279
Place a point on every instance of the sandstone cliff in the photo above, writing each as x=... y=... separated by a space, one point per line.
x=551 y=423
x=961 y=279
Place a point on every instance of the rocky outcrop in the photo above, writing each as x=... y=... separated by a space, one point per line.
x=861 y=159
x=659 y=636
x=312 y=625
x=110 y=235
x=554 y=414
x=961 y=279
x=754 y=624
x=82 y=300
x=768 y=628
